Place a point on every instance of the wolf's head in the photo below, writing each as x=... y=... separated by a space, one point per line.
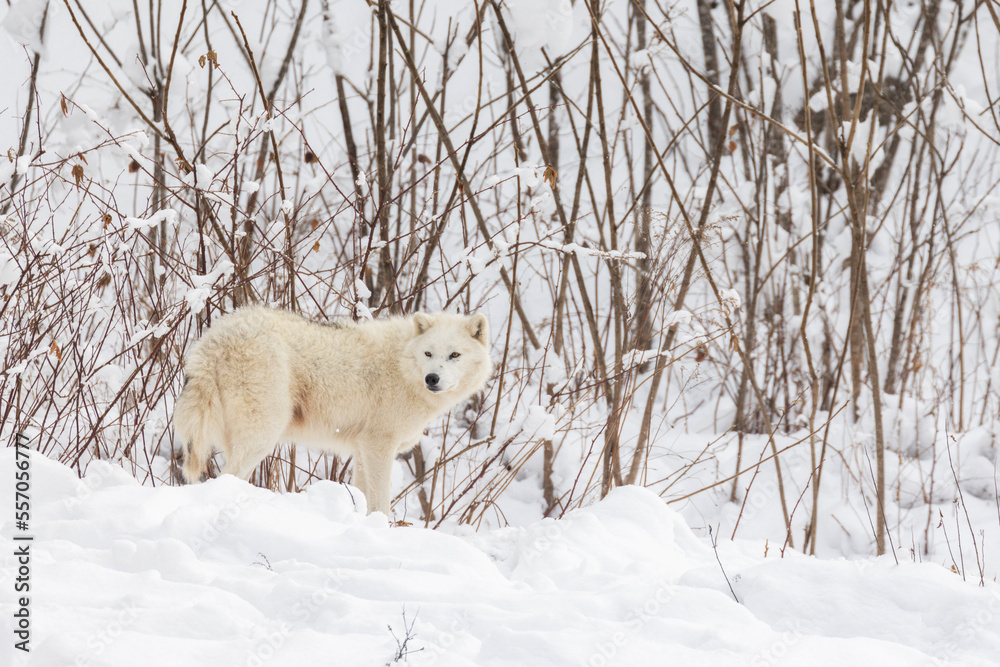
x=451 y=352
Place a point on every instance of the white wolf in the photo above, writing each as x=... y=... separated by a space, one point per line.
x=260 y=376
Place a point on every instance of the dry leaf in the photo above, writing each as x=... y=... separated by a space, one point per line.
x=133 y=167
x=732 y=147
x=734 y=129
x=78 y=174
x=701 y=354
x=107 y=220
x=313 y=224
x=56 y=351
x=210 y=57
x=423 y=159
x=310 y=157
x=63 y=104
x=316 y=246
x=550 y=176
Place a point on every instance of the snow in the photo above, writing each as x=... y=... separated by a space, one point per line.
x=197 y=297
x=91 y=114
x=205 y=175
x=9 y=270
x=539 y=423
x=7 y=168
x=679 y=317
x=361 y=289
x=227 y=573
x=23 y=22
x=332 y=41
x=591 y=252
x=731 y=301
x=537 y=26
x=167 y=215
x=202 y=285
x=477 y=261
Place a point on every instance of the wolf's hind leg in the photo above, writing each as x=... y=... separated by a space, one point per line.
x=247 y=447
x=258 y=408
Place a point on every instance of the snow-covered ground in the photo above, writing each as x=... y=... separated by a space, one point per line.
x=224 y=573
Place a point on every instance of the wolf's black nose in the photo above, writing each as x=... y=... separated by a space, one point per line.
x=431 y=380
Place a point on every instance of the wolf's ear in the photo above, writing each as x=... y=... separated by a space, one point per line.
x=423 y=322
x=479 y=328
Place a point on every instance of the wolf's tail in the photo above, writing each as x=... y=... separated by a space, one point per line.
x=198 y=425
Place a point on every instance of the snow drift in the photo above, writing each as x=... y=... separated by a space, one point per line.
x=224 y=573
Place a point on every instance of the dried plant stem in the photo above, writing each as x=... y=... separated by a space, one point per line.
x=460 y=174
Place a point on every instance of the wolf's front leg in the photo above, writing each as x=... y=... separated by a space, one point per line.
x=375 y=481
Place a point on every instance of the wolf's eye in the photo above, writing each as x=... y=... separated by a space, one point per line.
x=427 y=354
x=454 y=355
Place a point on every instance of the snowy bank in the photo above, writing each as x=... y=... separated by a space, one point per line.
x=224 y=573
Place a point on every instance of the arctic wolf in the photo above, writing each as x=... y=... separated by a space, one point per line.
x=260 y=376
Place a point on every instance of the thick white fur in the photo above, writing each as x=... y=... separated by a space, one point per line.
x=260 y=376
